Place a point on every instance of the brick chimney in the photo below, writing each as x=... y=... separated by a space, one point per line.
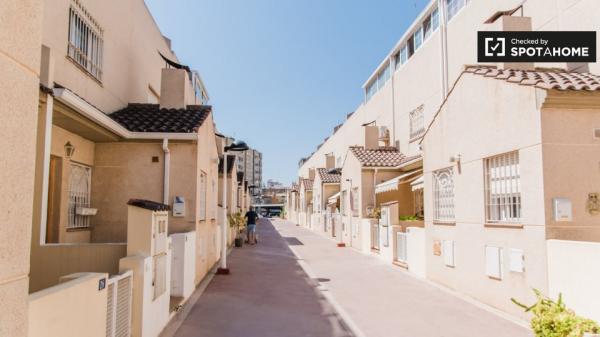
x=371 y=137
x=329 y=161
x=175 y=89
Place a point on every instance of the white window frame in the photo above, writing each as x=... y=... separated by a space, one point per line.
x=418 y=38
x=80 y=193
x=202 y=198
x=417 y=122
x=503 y=188
x=443 y=195
x=85 y=44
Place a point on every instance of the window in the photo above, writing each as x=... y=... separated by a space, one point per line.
x=418 y=37
x=503 y=188
x=404 y=54
x=427 y=28
x=453 y=7
x=79 y=195
x=202 y=199
x=85 y=40
x=411 y=46
x=443 y=195
x=419 y=202
x=355 y=205
x=417 y=123
x=435 y=19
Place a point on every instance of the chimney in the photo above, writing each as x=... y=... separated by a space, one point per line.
x=175 y=89
x=311 y=173
x=371 y=137
x=329 y=161
x=508 y=23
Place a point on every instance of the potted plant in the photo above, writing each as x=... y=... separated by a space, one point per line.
x=554 y=319
x=237 y=221
x=411 y=221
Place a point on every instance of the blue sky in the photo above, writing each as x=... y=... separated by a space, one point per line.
x=282 y=73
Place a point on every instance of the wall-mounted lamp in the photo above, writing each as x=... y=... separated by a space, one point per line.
x=69 y=150
x=456 y=159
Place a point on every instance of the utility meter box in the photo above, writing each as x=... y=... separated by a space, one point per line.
x=563 y=209
x=179 y=206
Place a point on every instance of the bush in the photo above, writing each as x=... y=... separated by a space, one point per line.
x=554 y=319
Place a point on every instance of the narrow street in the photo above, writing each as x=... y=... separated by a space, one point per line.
x=269 y=293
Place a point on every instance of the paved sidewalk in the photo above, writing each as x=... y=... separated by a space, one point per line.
x=383 y=301
x=267 y=294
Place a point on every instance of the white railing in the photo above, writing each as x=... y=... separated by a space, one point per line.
x=118 y=305
x=401 y=251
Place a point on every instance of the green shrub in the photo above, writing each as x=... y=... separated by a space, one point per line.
x=554 y=319
x=409 y=218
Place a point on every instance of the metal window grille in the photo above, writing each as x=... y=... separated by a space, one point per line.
x=79 y=195
x=443 y=195
x=419 y=202
x=417 y=122
x=401 y=252
x=85 y=40
x=503 y=188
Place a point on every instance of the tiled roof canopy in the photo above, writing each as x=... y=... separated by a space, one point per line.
x=230 y=164
x=381 y=157
x=543 y=79
x=151 y=118
x=308 y=184
x=329 y=178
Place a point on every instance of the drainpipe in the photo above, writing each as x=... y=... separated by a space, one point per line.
x=167 y=159
x=393 y=69
x=223 y=265
x=47 y=80
x=444 y=46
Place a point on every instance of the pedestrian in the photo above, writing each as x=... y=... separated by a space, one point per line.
x=252 y=216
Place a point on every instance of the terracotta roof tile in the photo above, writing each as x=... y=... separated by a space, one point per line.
x=543 y=79
x=308 y=184
x=381 y=157
x=329 y=178
x=151 y=118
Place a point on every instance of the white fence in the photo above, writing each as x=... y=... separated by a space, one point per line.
x=118 y=304
x=574 y=271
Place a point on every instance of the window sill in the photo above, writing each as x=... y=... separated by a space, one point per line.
x=400 y=264
x=81 y=229
x=503 y=225
x=87 y=73
x=444 y=223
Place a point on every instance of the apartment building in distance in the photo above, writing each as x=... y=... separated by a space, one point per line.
x=443 y=213
x=249 y=162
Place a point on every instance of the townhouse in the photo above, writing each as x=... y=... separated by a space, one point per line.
x=397 y=218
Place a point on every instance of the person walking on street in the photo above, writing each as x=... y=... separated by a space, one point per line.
x=251 y=216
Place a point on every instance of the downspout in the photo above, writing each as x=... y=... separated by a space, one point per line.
x=167 y=160
x=443 y=46
x=393 y=69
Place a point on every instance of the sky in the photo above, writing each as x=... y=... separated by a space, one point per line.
x=282 y=73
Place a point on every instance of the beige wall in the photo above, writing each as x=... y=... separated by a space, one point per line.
x=71 y=309
x=570 y=157
x=20 y=35
x=487 y=127
x=131 y=63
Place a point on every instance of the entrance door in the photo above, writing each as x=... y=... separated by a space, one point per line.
x=54 y=188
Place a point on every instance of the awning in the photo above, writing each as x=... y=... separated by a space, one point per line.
x=417 y=184
x=392 y=184
x=333 y=199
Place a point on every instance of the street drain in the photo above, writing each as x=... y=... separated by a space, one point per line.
x=292 y=241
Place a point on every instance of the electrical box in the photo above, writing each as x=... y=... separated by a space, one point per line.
x=493 y=262
x=179 y=207
x=517 y=260
x=563 y=209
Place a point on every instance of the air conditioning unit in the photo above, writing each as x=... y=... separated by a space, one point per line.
x=384 y=133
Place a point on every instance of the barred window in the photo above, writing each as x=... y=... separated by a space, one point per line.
x=85 y=40
x=79 y=195
x=355 y=205
x=503 y=188
x=417 y=122
x=443 y=195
